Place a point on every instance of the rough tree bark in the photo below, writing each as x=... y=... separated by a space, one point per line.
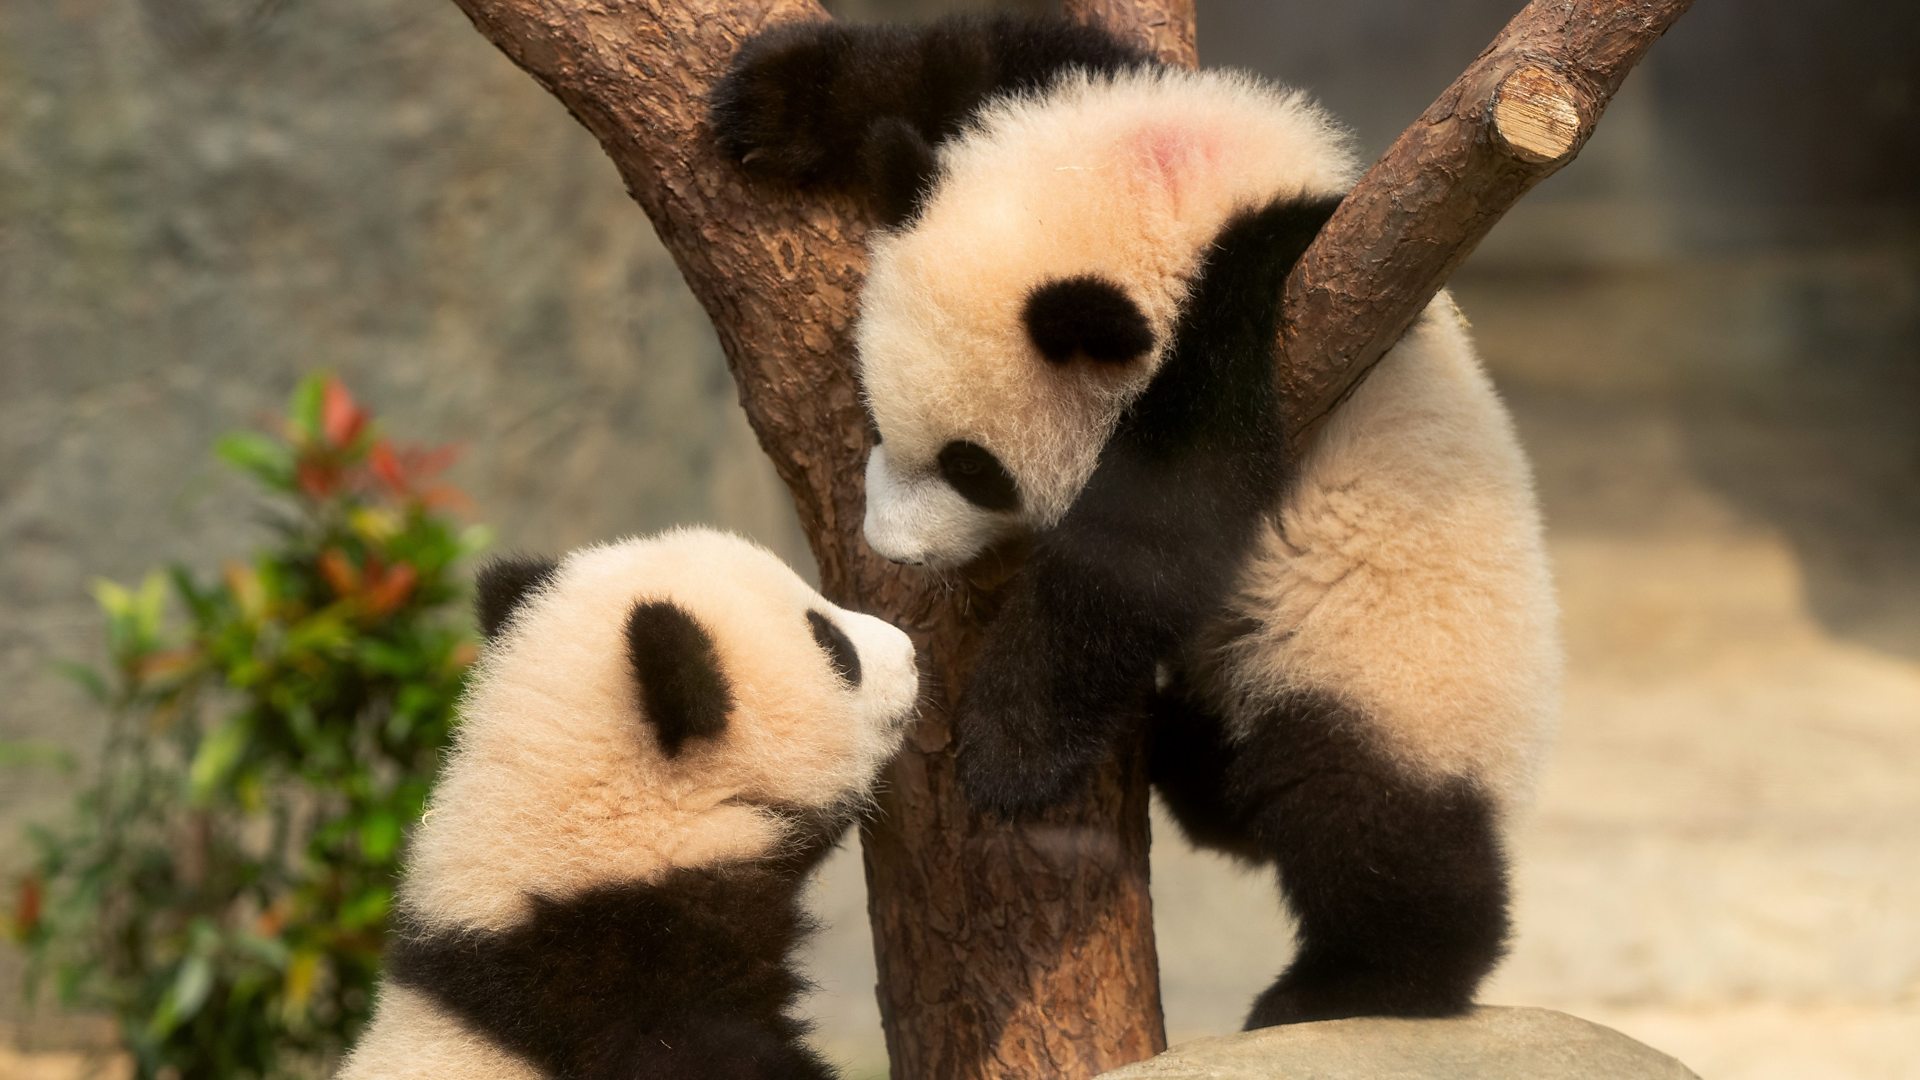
x=1165 y=27
x=1019 y=951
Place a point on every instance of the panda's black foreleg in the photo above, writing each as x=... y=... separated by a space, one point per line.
x=1056 y=686
x=1399 y=886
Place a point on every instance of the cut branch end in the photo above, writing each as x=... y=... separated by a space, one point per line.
x=1536 y=113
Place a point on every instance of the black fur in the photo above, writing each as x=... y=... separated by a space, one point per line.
x=833 y=641
x=686 y=978
x=900 y=167
x=1399 y=887
x=1086 y=316
x=808 y=101
x=503 y=584
x=979 y=477
x=1147 y=552
x=685 y=693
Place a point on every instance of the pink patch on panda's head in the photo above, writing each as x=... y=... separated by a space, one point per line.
x=1166 y=155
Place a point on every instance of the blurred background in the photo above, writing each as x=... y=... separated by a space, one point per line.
x=1708 y=328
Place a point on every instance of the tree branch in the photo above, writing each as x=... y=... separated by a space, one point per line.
x=1163 y=27
x=1519 y=112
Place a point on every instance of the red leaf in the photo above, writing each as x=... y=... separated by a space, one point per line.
x=387 y=467
x=445 y=497
x=392 y=589
x=317 y=479
x=432 y=462
x=340 y=572
x=26 y=908
x=341 y=419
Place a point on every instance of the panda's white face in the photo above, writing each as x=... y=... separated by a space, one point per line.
x=1101 y=196
x=816 y=696
x=924 y=518
x=681 y=700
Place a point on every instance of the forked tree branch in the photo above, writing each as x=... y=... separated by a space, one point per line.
x=1022 y=951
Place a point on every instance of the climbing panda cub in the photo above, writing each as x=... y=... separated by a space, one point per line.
x=662 y=738
x=1347 y=660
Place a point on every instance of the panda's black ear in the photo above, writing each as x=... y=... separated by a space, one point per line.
x=503 y=585
x=1088 y=316
x=900 y=167
x=683 y=691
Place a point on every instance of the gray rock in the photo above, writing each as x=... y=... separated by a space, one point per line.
x=1487 y=1044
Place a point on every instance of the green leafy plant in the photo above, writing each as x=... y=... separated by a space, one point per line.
x=272 y=730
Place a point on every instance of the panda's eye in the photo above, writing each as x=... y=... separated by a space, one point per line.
x=973 y=471
x=841 y=655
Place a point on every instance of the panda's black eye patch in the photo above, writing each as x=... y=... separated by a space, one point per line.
x=840 y=651
x=1089 y=316
x=973 y=471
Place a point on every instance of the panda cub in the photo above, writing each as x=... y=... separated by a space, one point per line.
x=1348 y=659
x=662 y=738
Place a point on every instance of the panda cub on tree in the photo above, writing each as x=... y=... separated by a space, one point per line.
x=663 y=737
x=1349 y=660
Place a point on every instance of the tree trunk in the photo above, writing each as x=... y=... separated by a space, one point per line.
x=1003 y=950
x=1022 y=951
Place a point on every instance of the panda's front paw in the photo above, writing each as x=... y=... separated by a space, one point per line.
x=772 y=111
x=1010 y=757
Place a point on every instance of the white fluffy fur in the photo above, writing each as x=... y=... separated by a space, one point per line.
x=1406 y=571
x=1129 y=178
x=411 y=1038
x=556 y=783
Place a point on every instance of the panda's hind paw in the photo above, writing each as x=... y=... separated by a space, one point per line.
x=1298 y=997
x=773 y=111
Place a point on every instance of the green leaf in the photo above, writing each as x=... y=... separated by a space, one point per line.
x=304 y=409
x=260 y=456
x=475 y=539
x=114 y=598
x=86 y=678
x=201 y=603
x=368 y=909
x=213 y=762
x=183 y=998
x=379 y=836
x=149 y=604
x=39 y=753
x=269 y=951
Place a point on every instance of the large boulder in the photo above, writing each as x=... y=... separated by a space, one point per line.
x=1486 y=1044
